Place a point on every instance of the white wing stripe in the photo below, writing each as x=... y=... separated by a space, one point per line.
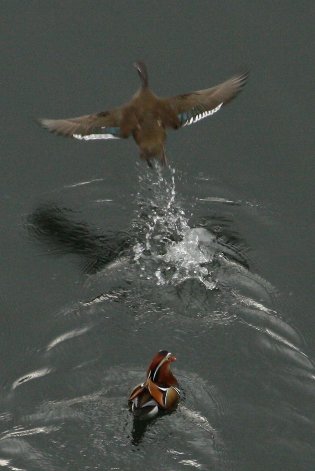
x=205 y=114
x=90 y=137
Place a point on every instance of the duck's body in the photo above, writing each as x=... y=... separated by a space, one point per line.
x=160 y=390
x=146 y=116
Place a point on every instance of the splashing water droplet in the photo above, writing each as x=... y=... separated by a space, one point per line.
x=168 y=249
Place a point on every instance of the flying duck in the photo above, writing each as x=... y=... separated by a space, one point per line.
x=159 y=391
x=147 y=117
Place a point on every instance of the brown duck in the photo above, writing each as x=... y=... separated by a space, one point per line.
x=147 y=116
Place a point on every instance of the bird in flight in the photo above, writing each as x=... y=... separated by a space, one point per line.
x=146 y=116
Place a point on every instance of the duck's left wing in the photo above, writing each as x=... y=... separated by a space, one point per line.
x=192 y=107
x=104 y=125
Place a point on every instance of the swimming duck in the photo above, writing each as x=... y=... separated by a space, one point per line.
x=146 y=116
x=159 y=391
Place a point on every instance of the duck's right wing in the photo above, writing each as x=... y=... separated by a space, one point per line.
x=104 y=125
x=166 y=397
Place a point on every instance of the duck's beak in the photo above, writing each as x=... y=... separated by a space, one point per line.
x=142 y=71
x=137 y=66
x=172 y=358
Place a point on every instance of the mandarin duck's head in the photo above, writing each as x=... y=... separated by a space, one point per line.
x=159 y=391
x=159 y=369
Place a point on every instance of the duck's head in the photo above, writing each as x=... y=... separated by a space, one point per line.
x=143 y=73
x=159 y=368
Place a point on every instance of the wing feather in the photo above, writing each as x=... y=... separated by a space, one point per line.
x=104 y=125
x=192 y=107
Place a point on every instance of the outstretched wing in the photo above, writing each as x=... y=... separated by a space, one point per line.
x=192 y=107
x=104 y=125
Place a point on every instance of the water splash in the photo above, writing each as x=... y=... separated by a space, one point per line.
x=191 y=259
x=159 y=218
x=168 y=249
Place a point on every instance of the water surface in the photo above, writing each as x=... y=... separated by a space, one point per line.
x=105 y=261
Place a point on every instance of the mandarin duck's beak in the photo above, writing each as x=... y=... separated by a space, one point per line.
x=159 y=391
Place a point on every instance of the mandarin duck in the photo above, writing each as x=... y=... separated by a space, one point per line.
x=159 y=391
x=147 y=116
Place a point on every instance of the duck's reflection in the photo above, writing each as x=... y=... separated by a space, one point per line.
x=139 y=429
x=141 y=425
x=57 y=227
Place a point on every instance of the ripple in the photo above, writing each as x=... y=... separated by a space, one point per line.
x=22 y=432
x=88 y=182
x=177 y=280
x=7 y=464
x=32 y=375
x=17 y=451
x=67 y=336
x=216 y=199
x=109 y=429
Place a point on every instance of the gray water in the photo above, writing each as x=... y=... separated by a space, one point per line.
x=105 y=261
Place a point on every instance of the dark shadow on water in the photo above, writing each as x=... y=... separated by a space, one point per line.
x=140 y=426
x=57 y=228
x=139 y=429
